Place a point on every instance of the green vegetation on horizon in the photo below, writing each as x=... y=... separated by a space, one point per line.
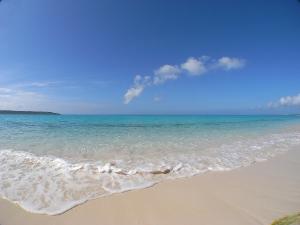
x=13 y=112
x=288 y=220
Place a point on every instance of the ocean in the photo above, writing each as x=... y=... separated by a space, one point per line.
x=49 y=164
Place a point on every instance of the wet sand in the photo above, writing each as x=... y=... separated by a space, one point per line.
x=253 y=195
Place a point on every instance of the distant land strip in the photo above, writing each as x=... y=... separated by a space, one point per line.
x=27 y=112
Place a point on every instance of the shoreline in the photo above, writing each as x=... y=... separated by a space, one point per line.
x=257 y=194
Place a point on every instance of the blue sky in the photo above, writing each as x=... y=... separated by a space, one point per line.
x=190 y=56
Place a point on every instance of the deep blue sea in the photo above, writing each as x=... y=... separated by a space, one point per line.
x=49 y=164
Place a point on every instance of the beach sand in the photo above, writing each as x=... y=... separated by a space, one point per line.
x=253 y=195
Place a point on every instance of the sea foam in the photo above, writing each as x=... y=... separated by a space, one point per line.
x=52 y=185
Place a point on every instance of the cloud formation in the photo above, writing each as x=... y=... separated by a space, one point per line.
x=228 y=63
x=166 y=72
x=139 y=85
x=286 y=101
x=192 y=66
x=19 y=99
x=39 y=84
x=12 y=98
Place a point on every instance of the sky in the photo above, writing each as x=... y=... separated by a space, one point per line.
x=150 y=57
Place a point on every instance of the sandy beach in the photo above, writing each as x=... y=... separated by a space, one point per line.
x=253 y=195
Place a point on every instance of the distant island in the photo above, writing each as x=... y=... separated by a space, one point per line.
x=13 y=112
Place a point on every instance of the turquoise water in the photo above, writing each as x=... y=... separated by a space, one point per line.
x=81 y=137
x=52 y=163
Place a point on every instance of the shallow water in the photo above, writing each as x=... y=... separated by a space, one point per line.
x=49 y=164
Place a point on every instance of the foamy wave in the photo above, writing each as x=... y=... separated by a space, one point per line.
x=50 y=185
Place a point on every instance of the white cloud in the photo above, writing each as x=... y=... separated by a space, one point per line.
x=194 y=66
x=35 y=84
x=228 y=63
x=132 y=93
x=286 y=101
x=166 y=72
x=41 y=84
x=198 y=66
x=4 y=91
x=20 y=99
x=138 y=86
x=16 y=99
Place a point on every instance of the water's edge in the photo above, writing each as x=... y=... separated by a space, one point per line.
x=70 y=207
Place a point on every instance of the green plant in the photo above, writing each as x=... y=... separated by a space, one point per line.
x=288 y=220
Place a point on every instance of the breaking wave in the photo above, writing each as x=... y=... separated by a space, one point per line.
x=52 y=185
